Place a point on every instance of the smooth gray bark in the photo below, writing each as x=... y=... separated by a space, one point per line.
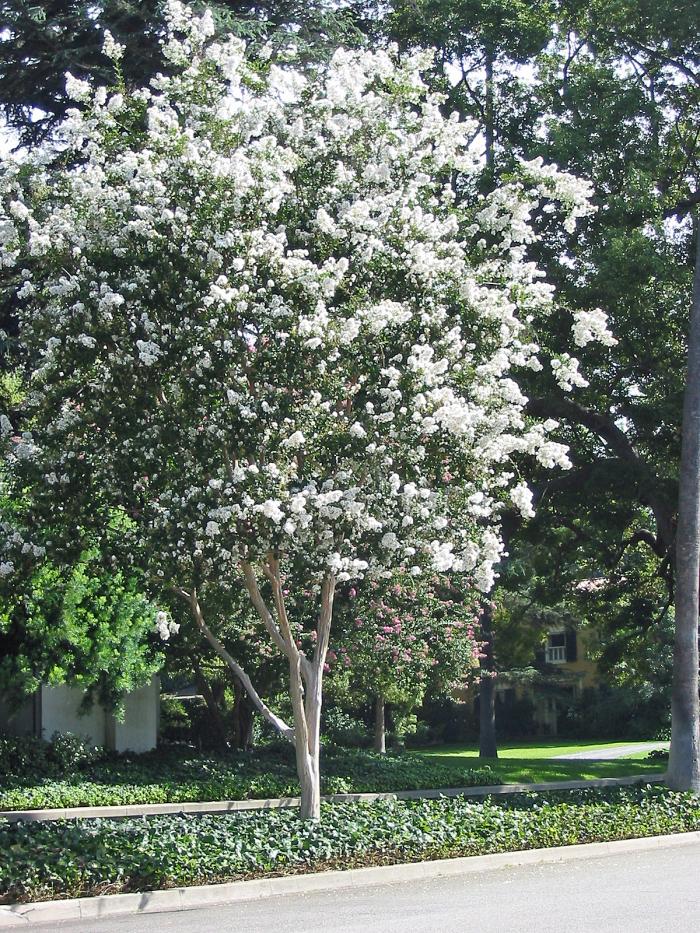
x=379 y=725
x=684 y=759
x=488 y=747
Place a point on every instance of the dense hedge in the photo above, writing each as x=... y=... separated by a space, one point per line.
x=184 y=776
x=72 y=858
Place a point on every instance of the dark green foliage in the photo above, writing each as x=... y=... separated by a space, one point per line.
x=178 y=777
x=73 y=858
x=342 y=728
x=24 y=756
x=442 y=719
x=609 y=712
x=191 y=722
x=611 y=93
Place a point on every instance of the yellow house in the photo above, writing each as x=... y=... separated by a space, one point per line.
x=567 y=671
x=569 y=651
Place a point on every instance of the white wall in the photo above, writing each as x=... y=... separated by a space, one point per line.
x=60 y=713
x=138 y=732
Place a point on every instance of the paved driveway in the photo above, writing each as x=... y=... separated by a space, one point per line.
x=605 y=754
x=643 y=892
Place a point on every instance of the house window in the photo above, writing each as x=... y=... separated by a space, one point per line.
x=555 y=652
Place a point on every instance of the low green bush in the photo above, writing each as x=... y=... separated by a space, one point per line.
x=182 y=776
x=23 y=755
x=27 y=758
x=607 y=712
x=87 y=857
x=340 y=728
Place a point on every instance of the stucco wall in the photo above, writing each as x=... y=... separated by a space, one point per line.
x=139 y=730
x=57 y=709
x=60 y=712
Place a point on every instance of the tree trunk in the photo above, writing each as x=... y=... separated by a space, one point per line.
x=243 y=717
x=379 y=725
x=213 y=707
x=310 y=769
x=306 y=691
x=684 y=759
x=305 y=677
x=489 y=115
x=488 y=747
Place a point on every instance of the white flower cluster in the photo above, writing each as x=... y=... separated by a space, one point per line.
x=112 y=48
x=590 y=326
x=565 y=369
x=165 y=626
x=279 y=333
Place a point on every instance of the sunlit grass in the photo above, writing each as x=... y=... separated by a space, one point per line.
x=532 y=762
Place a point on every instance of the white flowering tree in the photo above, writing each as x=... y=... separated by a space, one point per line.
x=268 y=318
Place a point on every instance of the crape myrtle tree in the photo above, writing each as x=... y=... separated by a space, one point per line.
x=396 y=639
x=267 y=318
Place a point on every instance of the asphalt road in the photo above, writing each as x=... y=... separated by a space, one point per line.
x=642 y=892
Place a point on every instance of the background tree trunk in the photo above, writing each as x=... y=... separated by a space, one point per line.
x=379 y=725
x=489 y=114
x=243 y=718
x=488 y=747
x=684 y=760
x=213 y=708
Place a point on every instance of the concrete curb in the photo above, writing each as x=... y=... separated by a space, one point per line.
x=14 y=916
x=275 y=803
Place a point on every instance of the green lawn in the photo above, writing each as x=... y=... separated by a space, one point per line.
x=532 y=762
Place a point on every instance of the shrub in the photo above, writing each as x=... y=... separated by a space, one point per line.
x=73 y=752
x=442 y=719
x=608 y=712
x=29 y=758
x=174 y=721
x=23 y=756
x=340 y=728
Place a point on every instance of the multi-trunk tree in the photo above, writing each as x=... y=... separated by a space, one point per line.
x=269 y=319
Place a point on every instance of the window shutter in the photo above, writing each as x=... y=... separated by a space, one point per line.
x=571 y=646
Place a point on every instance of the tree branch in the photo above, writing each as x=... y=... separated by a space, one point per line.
x=272 y=572
x=604 y=427
x=324 y=620
x=643 y=536
x=684 y=206
x=234 y=666
x=258 y=602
